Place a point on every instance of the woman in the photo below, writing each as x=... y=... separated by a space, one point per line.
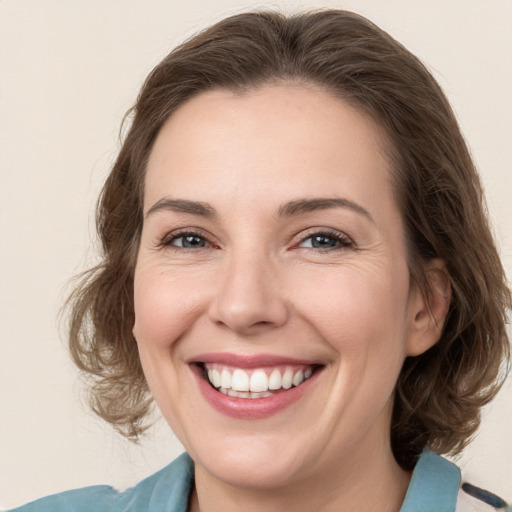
x=298 y=269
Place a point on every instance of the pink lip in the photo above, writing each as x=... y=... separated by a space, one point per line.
x=252 y=409
x=246 y=361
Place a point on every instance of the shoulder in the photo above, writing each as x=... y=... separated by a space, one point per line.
x=474 y=499
x=436 y=487
x=71 y=501
x=165 y=491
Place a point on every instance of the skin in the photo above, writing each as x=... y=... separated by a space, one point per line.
x=259 y=286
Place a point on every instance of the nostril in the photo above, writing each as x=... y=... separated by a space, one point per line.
x=247 y=302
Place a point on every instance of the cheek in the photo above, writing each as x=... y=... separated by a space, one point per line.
x=163 y=308
x=163 y=313
x=356 y=307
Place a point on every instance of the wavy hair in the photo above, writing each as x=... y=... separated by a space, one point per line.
x=439 y=394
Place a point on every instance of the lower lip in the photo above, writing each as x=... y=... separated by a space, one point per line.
x=251 y=408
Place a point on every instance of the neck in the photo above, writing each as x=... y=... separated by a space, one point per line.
x=362 y=481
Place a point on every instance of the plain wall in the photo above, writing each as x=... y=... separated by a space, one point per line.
x=68 y=72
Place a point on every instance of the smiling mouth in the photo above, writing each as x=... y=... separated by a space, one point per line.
x=255 y=383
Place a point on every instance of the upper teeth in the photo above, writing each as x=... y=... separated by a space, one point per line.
x=257 y=380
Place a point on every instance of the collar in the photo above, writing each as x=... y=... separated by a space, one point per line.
x=434 y=485
x=433 y=488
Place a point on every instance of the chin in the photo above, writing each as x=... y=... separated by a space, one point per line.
x=256 y=465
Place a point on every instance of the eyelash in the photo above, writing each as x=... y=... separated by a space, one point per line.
x=343 y=241
x=167 y=242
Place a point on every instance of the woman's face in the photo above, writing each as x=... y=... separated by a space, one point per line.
x=273 y=259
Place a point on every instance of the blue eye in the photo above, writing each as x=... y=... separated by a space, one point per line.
x=188 y=241
x=326 y=241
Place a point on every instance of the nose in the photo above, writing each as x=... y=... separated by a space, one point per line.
x=248 y=299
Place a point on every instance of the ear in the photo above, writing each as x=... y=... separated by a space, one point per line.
x=428 y=308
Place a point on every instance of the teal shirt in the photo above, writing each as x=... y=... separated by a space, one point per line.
x=433 y=488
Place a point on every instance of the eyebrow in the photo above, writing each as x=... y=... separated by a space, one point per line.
x=289 y=209
x=301 y=206
x=183 y=206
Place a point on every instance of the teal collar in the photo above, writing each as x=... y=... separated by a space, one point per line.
x=433 y=488
x=434 y=485
x=170 y=490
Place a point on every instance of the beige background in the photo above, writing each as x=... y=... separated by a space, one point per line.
x=69 y=69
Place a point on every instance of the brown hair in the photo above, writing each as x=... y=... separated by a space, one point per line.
x=439 y=393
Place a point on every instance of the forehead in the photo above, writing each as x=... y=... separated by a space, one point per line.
x=275 y=140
